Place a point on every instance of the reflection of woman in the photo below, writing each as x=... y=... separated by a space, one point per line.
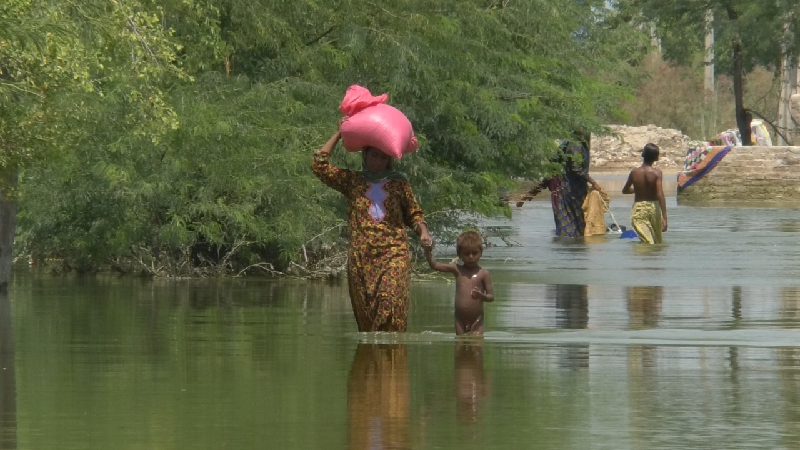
x=378 y=394
x=8 y=389
x=569 y=190
x=380 y=205
x=572 y=312
x=572 y=305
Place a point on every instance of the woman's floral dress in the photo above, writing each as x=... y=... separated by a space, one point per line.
x=379 y=263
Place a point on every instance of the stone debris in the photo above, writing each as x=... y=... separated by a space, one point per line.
x=622 y=152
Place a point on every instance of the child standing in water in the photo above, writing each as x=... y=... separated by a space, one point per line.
x=649 y=211
x=473 y=283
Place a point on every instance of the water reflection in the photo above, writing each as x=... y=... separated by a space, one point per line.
x=789 y=365
x=644 y=306
x=736 y=396
x=8 y=387
x=472 y=384
x=643 y=249
x=789 y=226
x=789 y=307
x=378 y=392
x=572 y=305
x=644 y=311
x=572 y=312
x=569 y=246
x=736 y=304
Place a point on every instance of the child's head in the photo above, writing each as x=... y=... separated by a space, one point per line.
x=650 y=153
x=469 y=240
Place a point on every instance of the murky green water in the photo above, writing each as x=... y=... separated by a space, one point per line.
x=601 y=344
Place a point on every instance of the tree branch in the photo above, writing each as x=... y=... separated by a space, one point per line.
x=317 y=39
x=135 y=31
x=517 y=96
x=27 y=91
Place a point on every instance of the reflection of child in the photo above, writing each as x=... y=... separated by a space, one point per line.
x=473 y=283
x=472 y=382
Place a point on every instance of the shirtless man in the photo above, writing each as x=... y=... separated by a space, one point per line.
x=473 y=283
x=649 y=212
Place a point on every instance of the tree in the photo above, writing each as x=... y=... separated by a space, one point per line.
x=61 y=62
x=790 y=79
x=753 y=32
x=218 y=180
x=488 y=86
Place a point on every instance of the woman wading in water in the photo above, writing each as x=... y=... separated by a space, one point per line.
x=380 y=206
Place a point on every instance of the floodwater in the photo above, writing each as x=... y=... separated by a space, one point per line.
x=592 y=344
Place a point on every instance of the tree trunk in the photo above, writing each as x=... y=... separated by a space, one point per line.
x=794 y=108
x=709 y=62
x=8 y=226
x=710 y=89
x=743 y=117
x=785 y=123
x=788 y=88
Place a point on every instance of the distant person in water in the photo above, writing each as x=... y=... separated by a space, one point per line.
x=649 y=211
x=569 y=189
x=473 y=283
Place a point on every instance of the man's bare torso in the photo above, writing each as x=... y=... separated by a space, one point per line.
x=645 y=180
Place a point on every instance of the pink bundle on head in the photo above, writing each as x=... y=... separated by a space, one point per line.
x=373 y=123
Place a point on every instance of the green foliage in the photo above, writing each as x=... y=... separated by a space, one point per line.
x=53 y=50
x=763 y=27
x=182 y=145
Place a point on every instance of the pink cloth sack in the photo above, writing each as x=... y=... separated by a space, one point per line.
x=373 y=123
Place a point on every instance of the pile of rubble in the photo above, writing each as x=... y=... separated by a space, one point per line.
x=622 y=151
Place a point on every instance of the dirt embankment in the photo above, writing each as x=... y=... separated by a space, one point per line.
x=622 y=152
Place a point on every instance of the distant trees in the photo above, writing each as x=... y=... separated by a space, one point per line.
x=747 y=35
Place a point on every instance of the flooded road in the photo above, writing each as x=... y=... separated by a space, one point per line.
x=595 y=344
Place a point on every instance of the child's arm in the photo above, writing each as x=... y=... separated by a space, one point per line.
x=661 y=201
x=628 y=188
x=436 y=265
x=488 y=294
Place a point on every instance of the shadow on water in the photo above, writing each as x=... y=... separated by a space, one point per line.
x=378 y=397
x=8 y=386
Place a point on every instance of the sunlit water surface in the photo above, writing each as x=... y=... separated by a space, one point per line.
x=592 y=344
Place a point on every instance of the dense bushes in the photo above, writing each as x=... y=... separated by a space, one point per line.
x=215 y=178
